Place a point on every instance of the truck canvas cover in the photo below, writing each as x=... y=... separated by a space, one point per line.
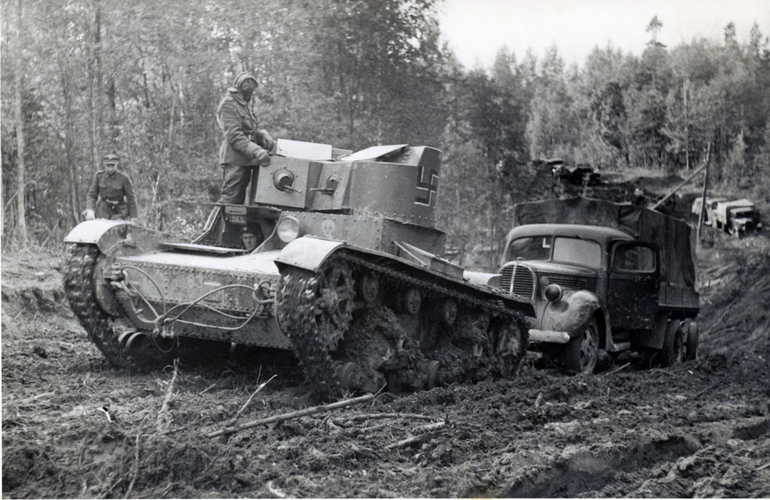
x=672 y=236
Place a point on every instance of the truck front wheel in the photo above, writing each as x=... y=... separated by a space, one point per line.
x=582 y=352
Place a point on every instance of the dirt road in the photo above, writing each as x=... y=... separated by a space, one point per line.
x=75 y=427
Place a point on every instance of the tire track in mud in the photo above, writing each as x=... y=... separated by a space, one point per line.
x=678 y=465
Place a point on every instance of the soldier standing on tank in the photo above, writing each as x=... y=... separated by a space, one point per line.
x=244 y=146
x=111 y=195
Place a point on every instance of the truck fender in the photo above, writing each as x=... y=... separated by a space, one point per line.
x=307 y=253
x=111 y=235
x=571 y=313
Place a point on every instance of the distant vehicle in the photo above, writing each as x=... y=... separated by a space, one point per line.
x=603 y=276
x=737 y=217
x=711 y=204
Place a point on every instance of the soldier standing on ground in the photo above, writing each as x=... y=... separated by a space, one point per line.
x=244 y=145
x=112 y=194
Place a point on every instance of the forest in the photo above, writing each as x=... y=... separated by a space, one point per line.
x=84 y=77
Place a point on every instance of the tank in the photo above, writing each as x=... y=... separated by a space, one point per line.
x=347 y=275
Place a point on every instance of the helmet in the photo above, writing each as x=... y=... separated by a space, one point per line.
x=242 y=78
x=111 y=157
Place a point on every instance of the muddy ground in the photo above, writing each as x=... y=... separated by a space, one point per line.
x=73 y=427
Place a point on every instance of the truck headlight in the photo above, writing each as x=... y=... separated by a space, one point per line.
x=288 y=229
x=553 y=292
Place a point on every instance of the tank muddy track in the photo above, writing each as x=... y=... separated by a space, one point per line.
x=79 y=266
x=346 y=341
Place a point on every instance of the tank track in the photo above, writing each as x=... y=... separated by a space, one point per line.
x=79 y=287
x=299 y=308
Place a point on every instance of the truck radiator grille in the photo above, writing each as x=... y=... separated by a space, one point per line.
x=519 y=280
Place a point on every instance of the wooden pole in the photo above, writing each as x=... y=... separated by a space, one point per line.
x=702 y=214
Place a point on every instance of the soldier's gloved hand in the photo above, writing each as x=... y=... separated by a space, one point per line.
x=89 y=214
x=268 y=140
x=262 y=157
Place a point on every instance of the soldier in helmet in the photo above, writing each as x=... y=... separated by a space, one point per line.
x=244 y=146
x=111 y=195
x=251 y=237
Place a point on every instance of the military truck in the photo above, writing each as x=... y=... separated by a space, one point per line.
x=708 y=215
x=737 y=217
x=605 y=276
x=348 y=278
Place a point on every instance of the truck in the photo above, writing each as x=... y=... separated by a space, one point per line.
x=603 y=276
x=708 y=215
x=737 y=217
x=349 y=277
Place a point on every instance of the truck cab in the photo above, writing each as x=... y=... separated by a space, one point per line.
x=605 y=276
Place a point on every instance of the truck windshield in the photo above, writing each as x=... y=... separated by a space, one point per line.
x=577 y=251
x=570 y=250
x=745 y=213
x=533 y=248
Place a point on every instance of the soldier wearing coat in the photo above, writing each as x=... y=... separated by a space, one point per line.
x=244 y=146
x=111 y=195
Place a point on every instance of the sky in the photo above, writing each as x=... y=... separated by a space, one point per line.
x=477 y=29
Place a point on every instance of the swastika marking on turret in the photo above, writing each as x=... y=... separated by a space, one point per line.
x=427 y=184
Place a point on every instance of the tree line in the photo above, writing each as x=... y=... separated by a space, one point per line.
x=84 y=77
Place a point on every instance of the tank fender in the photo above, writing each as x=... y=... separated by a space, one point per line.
x=110 y=235
x=571 y=313
x=91 y=231
x=307 y=253
x=485 y=279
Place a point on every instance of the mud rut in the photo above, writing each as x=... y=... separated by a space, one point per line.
x=75 y=427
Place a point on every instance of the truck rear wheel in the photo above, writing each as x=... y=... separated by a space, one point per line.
x=673 y=351
x=690 y=330
x=582 y=352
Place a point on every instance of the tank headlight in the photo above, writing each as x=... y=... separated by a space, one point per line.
x=288 y=229
x=553 y=292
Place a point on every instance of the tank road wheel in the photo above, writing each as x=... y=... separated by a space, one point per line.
x=582 y=352
x=672 y=351
x=315 y=310
x=409 y=301
x=509 y=337
x=368 y=287
x=448 y=312
x=80 y=288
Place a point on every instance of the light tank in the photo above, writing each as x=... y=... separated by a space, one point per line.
x=348 y=277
